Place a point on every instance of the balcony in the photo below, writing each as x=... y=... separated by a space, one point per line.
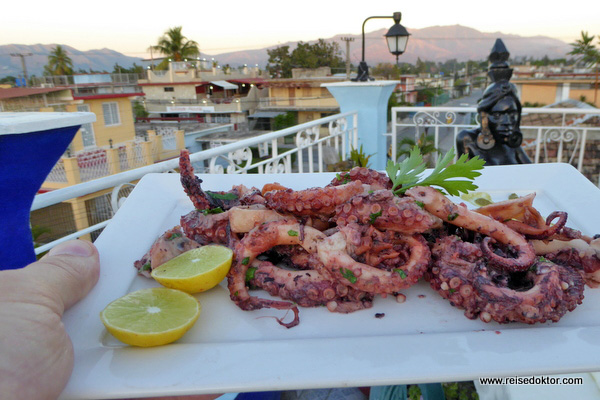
x=320 y=103
x=219 y=105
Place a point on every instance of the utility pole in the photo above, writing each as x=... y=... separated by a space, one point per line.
x=23 y=55
x=348 y=40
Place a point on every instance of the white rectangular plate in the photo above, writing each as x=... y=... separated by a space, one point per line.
x=422 y=340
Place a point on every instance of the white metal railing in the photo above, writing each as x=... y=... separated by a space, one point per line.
x=302 y=148
x=566 y=130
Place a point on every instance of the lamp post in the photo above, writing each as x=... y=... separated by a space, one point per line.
x=397 y=38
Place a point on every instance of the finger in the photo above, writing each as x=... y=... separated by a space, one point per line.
x=67 y=273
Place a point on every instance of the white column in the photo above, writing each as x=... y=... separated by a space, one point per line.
x=370 y=100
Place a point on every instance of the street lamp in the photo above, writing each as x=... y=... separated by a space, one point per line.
x=397 y=38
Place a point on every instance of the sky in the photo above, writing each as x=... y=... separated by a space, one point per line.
x=222 y=26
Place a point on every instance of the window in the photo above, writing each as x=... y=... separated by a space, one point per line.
x=111 y=114
x=169 y=89
x=87 y=131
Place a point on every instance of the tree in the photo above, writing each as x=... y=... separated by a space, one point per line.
x=59 y=63
x=305 y=55
x=588 y=53
x=585 y=49
x=174 y=45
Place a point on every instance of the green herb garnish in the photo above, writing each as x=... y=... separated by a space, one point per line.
x=401 y=273
x=146 y=267
x=348 y=274
x=407 y=174
x=292 y=233
x=250 y=273
x=373 y=217
x=343 y=178
x=174 y=236
x=420 y=203
x=452 y=217
x=217 y=210
x=245 y=260
x=222 y=196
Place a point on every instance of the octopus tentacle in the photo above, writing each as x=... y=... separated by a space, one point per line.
x=544 y=292
x=307 y=288
x=544 y=232
x=206 y=228
x=168 y=245
x=375 y=179
x=335 y=250
x=257 y=241
x=208 y=200
x=459 y=215
x=386 y=211
x=318 y=202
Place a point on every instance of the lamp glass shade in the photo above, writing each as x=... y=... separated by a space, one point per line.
x=397 y=38
x=397 y=44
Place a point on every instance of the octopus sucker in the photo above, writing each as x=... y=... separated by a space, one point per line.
x=440 y=206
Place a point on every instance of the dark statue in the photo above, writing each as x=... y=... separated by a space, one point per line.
x=498 y=139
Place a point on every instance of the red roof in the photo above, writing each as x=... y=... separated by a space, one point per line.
x=107 y=96
x=12 y=93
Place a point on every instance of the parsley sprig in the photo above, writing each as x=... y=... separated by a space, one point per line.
x=445 y=175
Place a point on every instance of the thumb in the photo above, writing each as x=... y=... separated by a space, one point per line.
x=67 y=273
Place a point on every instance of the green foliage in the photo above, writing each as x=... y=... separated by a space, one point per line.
x=409 y=172
x=286 y=120
x=8 y=79
x=460 y=391
x=59 y=62
x=585 y=49
x=174 y=45
x=359 y=157
x=139 y=110
x=305 y=55
x=426 y=145
x=135 y=69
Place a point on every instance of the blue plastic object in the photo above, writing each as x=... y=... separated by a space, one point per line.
x=27 y=156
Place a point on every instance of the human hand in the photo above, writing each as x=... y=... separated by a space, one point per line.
x=36 y=354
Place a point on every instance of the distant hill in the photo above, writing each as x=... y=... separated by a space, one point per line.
x=98 y=60
x=436 y=43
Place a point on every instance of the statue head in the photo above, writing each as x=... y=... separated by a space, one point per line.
x=500 y=108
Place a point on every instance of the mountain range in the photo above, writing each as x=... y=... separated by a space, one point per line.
x=436 y=43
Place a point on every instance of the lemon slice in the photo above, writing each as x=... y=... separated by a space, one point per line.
x=151 y=317
x=196 y=270
x=478 y=199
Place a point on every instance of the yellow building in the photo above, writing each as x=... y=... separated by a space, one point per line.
x=102 y=148
x=549 y=88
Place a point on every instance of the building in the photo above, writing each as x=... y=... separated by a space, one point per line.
x=543 y=88
x=102 y=148
x=190 y=90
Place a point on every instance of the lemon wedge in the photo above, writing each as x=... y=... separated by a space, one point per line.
x=151 y=317
x=196 y=270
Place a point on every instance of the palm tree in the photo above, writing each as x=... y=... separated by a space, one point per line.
x=588 y=53
x=59 y=63
x=175 y=46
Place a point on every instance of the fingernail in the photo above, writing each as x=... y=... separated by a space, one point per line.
x=73 y=248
